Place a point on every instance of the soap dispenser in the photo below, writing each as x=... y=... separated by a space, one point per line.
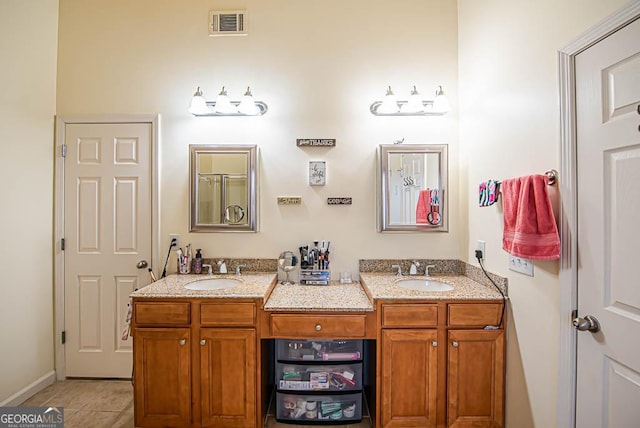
x=197 y=262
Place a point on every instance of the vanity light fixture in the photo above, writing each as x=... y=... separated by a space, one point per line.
x=223 y=106
x=390 y=103
x=441 y=102
x=416 y=106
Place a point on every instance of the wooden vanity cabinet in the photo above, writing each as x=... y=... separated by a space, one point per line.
x=438 y=367
x=188 y=356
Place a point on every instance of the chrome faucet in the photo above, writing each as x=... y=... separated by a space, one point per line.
x=210 y=268
x=399 y=272
x=426 y=269
x=238 y=272
x=413 y=270
x=222 y=266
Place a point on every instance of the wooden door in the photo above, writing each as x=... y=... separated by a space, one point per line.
x=162 y=377
x=475 y=379
x=228 y=377
x=409 y=378
x=608 y=168
x=108 y=229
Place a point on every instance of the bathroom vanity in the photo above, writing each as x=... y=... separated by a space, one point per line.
x=209 y=358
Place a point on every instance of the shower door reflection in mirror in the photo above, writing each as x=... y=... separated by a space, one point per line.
x=413 y=180
x=223 y=188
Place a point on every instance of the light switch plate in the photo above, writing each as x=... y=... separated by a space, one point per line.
x=520 y=265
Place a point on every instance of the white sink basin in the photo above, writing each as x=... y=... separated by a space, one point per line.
x=424 y=285
x=212 y=284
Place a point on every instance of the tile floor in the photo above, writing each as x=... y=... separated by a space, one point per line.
x=89 y=403
x=109 y=404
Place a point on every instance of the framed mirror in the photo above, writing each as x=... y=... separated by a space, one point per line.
x=223 y=188
x=412 y=188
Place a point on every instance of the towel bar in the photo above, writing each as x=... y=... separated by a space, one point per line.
x=552 y=175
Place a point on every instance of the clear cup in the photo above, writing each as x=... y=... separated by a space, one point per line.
x=345 y=278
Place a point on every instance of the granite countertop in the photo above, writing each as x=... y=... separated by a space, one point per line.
x=382 y=286
x=254 y=285
x=333 y=297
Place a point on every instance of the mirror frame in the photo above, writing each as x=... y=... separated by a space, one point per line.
x=383 y=197
x=251 y=150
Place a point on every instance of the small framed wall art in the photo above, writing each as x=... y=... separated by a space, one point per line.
x=317 y=173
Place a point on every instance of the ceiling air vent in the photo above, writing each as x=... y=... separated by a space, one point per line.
x=228 y=23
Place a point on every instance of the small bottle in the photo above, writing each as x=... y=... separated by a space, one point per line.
x=197 y=262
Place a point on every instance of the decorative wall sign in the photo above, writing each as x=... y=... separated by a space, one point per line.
x=339 y=201
x=289 y=200
x=316 y=142
x=317 y=173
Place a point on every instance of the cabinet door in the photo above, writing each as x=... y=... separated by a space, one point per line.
x=162 y=381
x=409 y=378
x=228 y=370
x=476 y=379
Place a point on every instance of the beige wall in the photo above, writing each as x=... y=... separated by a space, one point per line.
x=510 y=127
x=301 y=57
x=318 y=65
x=28 y=36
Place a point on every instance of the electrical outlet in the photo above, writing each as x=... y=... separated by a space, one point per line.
x=480 y=247
x=518 y=264
x=177 y=238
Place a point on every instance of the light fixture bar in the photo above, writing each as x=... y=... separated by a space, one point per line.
x=211 y=110
x=439 y=106
x=246 y=107
x=428 y=110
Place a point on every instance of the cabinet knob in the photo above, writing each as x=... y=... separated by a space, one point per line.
x=203 y=342
x=434 y=343
x=455 y=344
x=183 y=342
x=318 y=327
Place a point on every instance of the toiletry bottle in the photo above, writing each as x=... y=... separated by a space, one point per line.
x=197 y=262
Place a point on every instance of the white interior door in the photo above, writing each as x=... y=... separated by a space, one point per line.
x=108 y=230
x=608 y=178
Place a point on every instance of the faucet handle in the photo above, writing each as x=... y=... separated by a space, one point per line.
x=399 y=272
x=238 y=272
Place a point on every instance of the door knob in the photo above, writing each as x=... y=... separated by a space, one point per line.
x=142 y=264
x=588 y=323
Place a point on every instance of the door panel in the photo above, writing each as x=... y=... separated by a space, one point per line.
x=409 y=378
x=475 y=379
x=608 y=166
x=108 y=229
x=228 y=377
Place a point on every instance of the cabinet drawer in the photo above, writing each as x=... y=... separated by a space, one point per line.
x=326 y=378
x=318 y=350
x=424 y=315
x=474 y=314
x=225 y=314
x=309 y=326
x=162 y=313
x=314 y=409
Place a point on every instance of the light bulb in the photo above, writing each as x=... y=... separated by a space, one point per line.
x=415 y=104
x=223 y=105
x=441 y=102
x=389 y=104
x=248 y=105
x=198 y=104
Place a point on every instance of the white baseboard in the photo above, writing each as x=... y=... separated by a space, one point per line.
x=29 y=390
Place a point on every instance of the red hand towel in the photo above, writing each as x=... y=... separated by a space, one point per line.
x=422 y=209
x=530 y=229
